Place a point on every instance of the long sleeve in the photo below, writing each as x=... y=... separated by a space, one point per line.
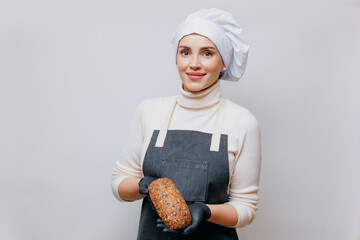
x=243 y=194
x=129 y=164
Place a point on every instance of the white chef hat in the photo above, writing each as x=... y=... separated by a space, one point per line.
x=222 y=29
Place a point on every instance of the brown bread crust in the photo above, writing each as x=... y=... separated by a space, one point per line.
x=169 y=204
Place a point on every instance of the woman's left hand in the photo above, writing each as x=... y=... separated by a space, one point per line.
x=199 y=212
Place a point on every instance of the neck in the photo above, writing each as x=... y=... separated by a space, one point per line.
x=204 y=98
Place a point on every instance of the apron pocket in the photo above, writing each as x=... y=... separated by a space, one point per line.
x=190 y=177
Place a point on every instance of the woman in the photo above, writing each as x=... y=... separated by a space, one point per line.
x=207 y=145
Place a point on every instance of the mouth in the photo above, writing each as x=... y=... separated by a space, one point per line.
x=195 y=76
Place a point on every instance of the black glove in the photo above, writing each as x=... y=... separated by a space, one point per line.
x=199 y=212
x=161 y=224
x=144 y=184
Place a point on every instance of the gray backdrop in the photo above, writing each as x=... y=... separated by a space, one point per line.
x=72 y=73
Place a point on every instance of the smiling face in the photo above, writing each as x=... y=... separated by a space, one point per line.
x=199 y=62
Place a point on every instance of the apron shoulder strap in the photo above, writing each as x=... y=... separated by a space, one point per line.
x=216 y=135
x=163 y=131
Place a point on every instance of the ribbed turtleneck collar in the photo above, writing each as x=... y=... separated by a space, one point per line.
x=205 y=98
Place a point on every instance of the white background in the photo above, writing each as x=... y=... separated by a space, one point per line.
x=72 y=73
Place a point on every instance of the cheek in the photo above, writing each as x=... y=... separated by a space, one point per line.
x=181 y=64
x=212 y=66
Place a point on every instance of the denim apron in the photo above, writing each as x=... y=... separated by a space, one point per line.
x=197 y=162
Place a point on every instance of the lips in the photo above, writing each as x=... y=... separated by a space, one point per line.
x=195 y=75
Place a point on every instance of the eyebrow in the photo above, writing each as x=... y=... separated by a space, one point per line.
x=200 y=48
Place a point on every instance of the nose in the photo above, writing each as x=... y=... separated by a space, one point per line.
x=195 y=63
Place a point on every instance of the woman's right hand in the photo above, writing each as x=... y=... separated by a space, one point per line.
x=129 y=189
x=144 y=184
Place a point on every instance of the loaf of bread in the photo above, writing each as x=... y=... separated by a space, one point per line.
x=169 y=204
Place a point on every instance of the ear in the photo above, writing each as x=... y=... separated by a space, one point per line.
x=223 y=67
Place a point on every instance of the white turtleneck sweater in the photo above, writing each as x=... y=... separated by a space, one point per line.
x=198 y=112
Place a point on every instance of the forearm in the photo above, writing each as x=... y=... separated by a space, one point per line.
x=223 y=214
x=129 y=189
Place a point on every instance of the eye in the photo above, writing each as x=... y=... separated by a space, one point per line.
x=184 y=52
x=208 y=53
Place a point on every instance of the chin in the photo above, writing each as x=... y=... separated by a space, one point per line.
x=194 y=86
